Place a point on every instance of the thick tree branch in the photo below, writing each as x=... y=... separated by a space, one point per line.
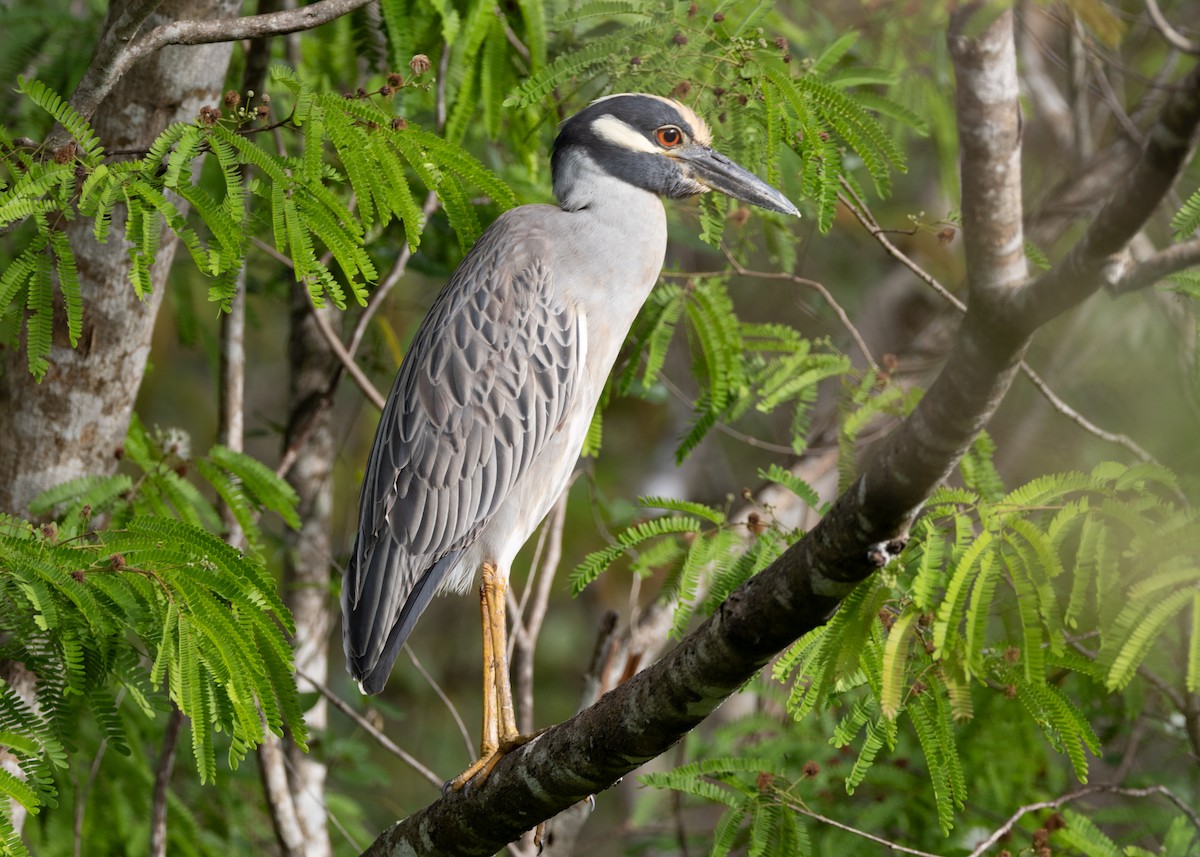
x=1168 y=146
x=119 y=49
x=644 y=716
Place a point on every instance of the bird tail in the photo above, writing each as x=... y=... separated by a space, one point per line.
x=374 y=624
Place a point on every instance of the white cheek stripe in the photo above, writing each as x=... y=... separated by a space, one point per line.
x=612 y=129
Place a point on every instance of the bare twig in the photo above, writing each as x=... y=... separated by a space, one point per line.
x=437 y=688
x=352 y=368
x=878 y=840
x=1086 y=791
x=399 y=268
x=841 y=313
x=1175 y=38
x=1079 y=419
x=383 y=740
x=858 y=208
x=162 y=781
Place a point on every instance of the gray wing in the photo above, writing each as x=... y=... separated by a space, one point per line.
x=487 y=380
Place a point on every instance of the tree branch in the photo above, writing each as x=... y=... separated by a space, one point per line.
x=119 y=50
x=1147 y=272
x=1168 y=146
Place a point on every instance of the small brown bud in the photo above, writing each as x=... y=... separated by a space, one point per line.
x=890 y=361
x=887 y=618
x=86 y=512
x=386 y=90
x=77 y=574
x=919 y=687
x=419 y=64
x=265 y=99
x=1041 y=837
x=399 y=123
x=681 y=90
x=718 y=91
x=117 y=561
x=635 y=60
x=360 y=93
x=232 y=99
x=679 y=39
x=1010 y=691
x=755 y=524
x=180 y=469
x=787 y=57
x=781 y=43
x=810 y=769
x=65 y=153
x=1055 y=822
x=394 y=80
x=946 y=235
x=119 y=453
x=718 y=17
x=1012 y=655
x=747 y=494
x=692 y=10
x=742 y=100
x=764 y=781
x=739 y=216
x=721 y=117
x=263 y=111
x=49 y=531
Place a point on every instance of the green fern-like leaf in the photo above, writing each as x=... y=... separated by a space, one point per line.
x=1186 y=221
x=65 y=115
x=597 y=561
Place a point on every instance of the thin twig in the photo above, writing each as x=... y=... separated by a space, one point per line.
x=858 y=208
x=352 y=368
x=383 y=740
x=1086 y=791
x=387 y=283
x=437 y=688
x=1079 y=419
x=878 y=840
x=1175 y=38
x=817 y=287
x=162 y=781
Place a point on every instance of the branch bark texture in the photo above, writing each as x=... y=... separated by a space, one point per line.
x=646 y=715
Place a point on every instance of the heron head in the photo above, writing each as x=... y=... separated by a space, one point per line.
x=658 y=145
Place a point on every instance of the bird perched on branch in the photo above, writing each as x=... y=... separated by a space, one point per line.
x=489 y=410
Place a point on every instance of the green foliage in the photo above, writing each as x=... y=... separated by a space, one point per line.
x=351 y=149
x=731 y=72
x=738 y=364
x=980 y=602
x=148 y=611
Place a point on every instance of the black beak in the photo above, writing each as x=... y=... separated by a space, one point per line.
x=713 y=170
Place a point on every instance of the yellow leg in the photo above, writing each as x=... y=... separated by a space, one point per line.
x=500 y=733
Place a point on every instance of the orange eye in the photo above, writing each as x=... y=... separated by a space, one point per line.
x=669 y=136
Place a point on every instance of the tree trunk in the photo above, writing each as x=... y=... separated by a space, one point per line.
x=306 y=570
x=74 y=422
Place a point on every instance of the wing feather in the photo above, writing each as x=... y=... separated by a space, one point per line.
x=492 y=369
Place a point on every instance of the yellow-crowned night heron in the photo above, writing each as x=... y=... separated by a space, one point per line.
x=489 y=410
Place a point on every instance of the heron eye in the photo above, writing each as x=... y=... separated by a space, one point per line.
x=669 y=136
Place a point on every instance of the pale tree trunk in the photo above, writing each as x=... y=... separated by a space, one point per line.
x=74 y=421
x=307 y=567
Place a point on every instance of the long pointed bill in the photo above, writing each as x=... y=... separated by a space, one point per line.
x=714 y=170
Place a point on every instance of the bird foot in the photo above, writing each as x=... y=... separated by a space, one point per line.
x=482 y=767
